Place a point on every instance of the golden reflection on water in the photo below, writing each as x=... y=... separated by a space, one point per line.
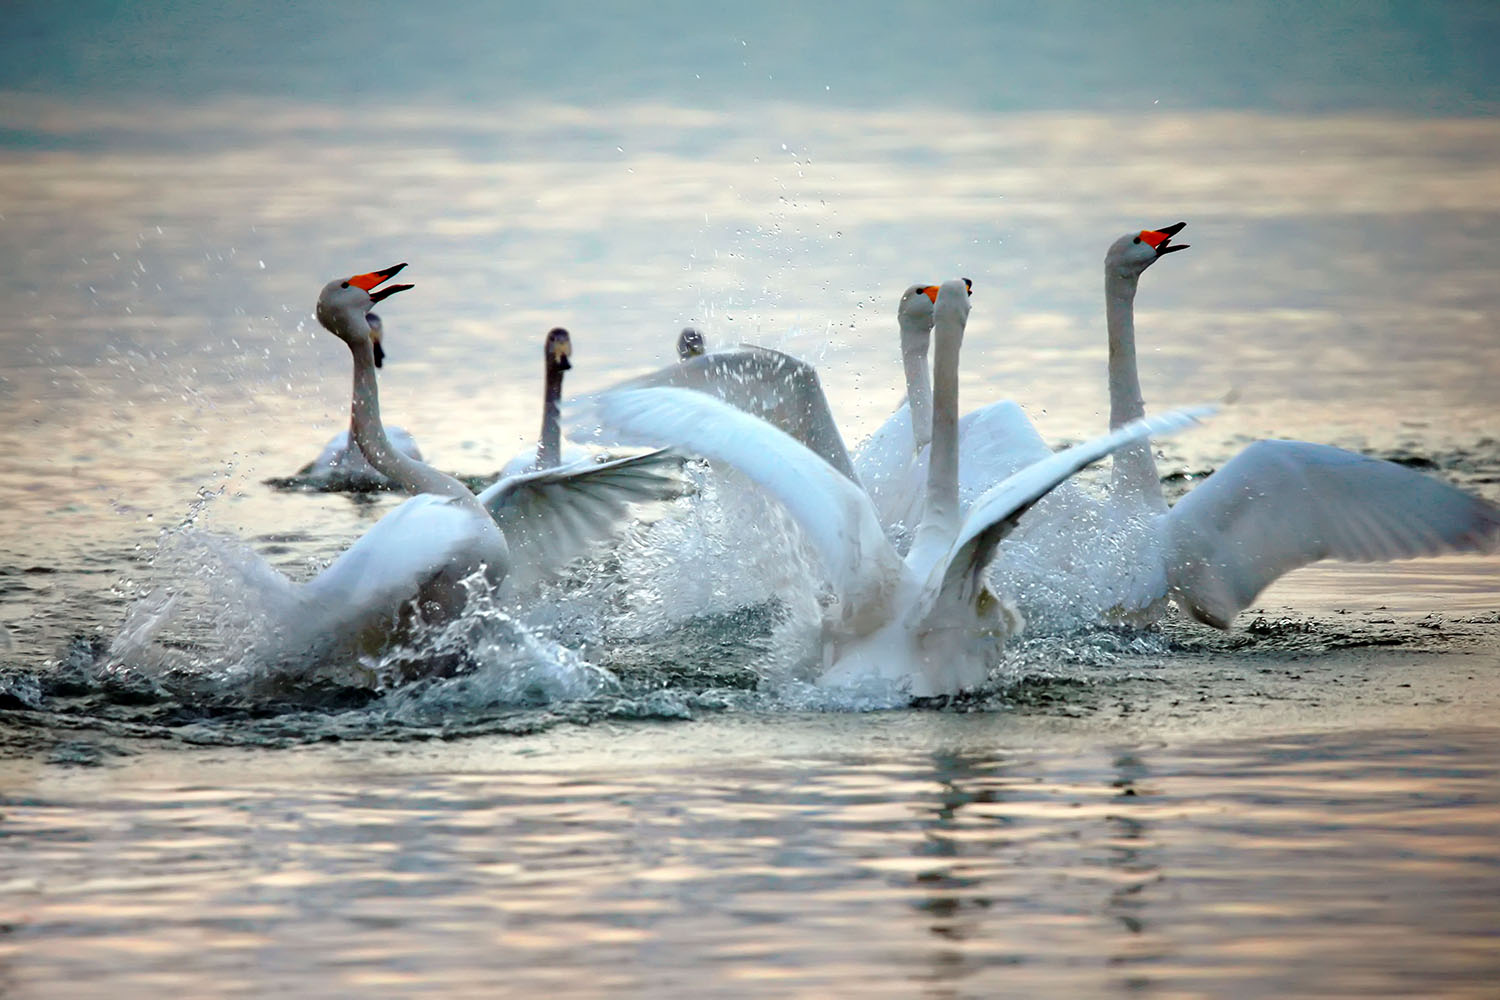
x=1291 y=866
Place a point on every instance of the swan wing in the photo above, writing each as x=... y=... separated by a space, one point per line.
x=552 y=516
x=1278 y=505
x=779 y=388
x=997 y=512
x=885 y=463
x=995 y=442
x=834 y=513
x=388 y=564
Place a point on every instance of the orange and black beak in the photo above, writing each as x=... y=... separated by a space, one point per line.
x=931 y=291
x=1160 y=240
x=369 y=281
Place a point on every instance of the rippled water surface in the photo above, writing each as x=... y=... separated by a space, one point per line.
x=788 y=856
x=630 y=786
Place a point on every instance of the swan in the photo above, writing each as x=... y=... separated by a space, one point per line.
x=415 y=559
x=340 y=466
x=1273 y=507
x=995 y=440
x=556 y=503
x=557 y=357
x=926 y=623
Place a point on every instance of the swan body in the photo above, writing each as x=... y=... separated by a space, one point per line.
x=926 y=623
x=341 y=465
x=1275 y=506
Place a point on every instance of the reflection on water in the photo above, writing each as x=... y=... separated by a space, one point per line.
x=1335 y=865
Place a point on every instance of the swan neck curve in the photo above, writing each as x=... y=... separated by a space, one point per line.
x=369 y=433
x=914 y=345
x=1133 y=469
x=549 y=448
x=940 y=512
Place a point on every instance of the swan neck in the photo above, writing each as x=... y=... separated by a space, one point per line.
x=940 y=512
x=369 y=433
x=914 y=344
x=549 y=449
x=1133 y=469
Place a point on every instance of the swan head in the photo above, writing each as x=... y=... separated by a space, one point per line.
x=914 y=311
x=1132 y=253
x=558 y=350
x=689 y=343
x=951 y=303
x=344 y=307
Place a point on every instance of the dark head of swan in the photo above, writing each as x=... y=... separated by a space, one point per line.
x=558 y=350
x=344 y=307
x=689 y=343
x=1132 y=253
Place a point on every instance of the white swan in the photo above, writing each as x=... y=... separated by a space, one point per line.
x=1275 y=506
x=414 y=559
x=557 y=357
x=341 y=465
x=565 y=499
x=994 y=441
x=927 y=623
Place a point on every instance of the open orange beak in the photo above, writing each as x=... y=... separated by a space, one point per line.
x=369 y=281
x=1160 y=240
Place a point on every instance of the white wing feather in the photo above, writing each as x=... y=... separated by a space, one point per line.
x=552 y=516
x=1278 y=505
x=834 y=513
x=996 y=513
x=779 y=388
x=993 y=442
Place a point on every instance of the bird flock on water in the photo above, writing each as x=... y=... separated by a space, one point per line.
x=914 y=531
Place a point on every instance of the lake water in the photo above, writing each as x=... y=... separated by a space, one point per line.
x=635 y=791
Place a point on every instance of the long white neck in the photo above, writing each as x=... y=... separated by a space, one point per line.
x=914 y=341
x=940 y=513
x=549 y=448
x=364 y=420
x=1133 y=469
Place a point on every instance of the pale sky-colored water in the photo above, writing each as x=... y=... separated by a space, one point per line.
x=178 y=180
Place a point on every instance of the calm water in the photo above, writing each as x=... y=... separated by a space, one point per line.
x=634 y=791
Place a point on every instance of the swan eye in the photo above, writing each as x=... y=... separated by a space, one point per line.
x=346 y=284
x=1137 y=239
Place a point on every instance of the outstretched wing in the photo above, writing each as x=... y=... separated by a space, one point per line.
x=1278 y=505
x=552 y=516
x=780 y=389
x=995 y=514
x=834 y=513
